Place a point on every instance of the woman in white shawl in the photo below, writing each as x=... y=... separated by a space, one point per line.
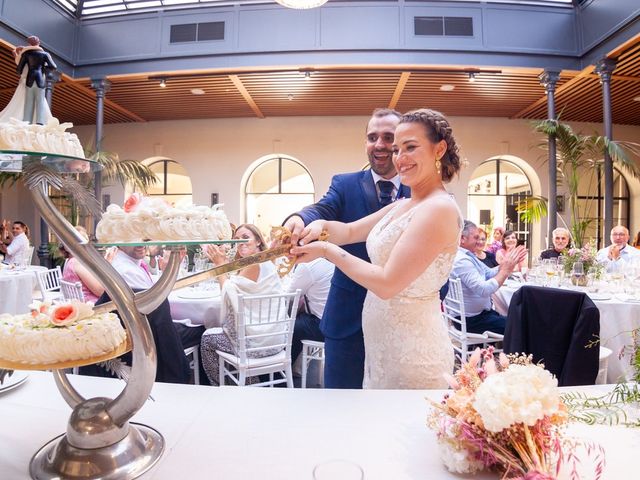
x=258 y=279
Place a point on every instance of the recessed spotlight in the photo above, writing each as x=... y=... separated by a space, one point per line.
x=197 y=91
x=472 y=77
x=636 y=99
x=447 y=87
x=163 y=83
x=290 y=96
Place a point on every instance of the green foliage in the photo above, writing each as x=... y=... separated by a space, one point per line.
x=124 y=171
x=607 y=409
x=578 y=154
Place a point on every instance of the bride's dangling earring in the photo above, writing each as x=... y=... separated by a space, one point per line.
x=438 y=166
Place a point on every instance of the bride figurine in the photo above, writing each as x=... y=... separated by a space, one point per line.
x=412 y=244
x=28 y=102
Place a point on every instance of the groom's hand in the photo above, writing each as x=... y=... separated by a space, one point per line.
x=295 y=225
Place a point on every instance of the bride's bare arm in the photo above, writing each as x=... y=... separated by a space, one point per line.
x=342 y=233
x=433 y=229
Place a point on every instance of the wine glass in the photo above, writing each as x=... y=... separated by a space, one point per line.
x=549 y=266
x=577 y=273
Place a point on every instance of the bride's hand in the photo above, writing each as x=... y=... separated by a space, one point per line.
x=311 y=232
x=308 y=253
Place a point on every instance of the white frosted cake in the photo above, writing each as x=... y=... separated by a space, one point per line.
x=50 y=138
x=147 y=218
x=59 y=333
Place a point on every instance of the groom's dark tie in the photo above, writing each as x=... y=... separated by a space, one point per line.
x=386 y=191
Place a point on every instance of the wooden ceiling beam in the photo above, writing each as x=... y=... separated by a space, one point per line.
x=565 y=86
x=246 y=95
x=402 y=81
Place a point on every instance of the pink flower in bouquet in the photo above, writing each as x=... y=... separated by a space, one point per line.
x=132 y=202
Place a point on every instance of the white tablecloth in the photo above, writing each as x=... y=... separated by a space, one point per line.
x=617 y=319
x=272 y=434
x=16 y=290
x=204 y=309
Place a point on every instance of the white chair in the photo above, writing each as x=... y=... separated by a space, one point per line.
x=603 y=364
x=194 y=363
x=27 y=256
x=257 y=336
x=49 y=283
x=71 y=290
x=456 y=320
x=312 y=350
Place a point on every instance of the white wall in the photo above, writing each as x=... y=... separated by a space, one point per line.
x=216 y=153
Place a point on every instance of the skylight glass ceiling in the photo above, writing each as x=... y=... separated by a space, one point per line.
x=106 y=7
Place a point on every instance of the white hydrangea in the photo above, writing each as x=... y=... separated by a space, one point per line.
x=519 y=394
x=453 y=453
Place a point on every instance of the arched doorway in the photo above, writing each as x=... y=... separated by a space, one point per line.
x=495 y=188
x=275 y=186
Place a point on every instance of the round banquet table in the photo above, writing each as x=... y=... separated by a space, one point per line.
x=16 y=291
x=202 y=307
x=618 y=317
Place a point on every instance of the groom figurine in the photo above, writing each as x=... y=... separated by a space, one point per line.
x=38 y=62
x=352 y=196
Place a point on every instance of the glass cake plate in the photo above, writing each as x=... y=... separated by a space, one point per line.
x=14 y=161
x=170 y=243
x=121 y=349
x=14 y=380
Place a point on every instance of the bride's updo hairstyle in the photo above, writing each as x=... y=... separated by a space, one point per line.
x=437 y=128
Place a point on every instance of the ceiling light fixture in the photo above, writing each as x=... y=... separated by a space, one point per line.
x=307 y=75
x=163 y=82
x=447 y=87
x=197 y=91
x=301 y=4
x=290 y=96
x=472 y=77
x=636 y=99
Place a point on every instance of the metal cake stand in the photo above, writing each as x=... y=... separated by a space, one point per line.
x=100 y=442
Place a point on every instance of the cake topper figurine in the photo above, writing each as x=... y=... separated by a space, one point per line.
x=38 y=62
x=28 y=102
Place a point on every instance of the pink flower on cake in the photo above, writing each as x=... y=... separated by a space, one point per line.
x=37 y=307
x=69 y=313
x=132 y=202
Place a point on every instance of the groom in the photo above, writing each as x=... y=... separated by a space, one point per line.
x=352 y=196
x=38 y=63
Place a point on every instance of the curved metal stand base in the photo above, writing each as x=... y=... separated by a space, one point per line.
x=125 y=460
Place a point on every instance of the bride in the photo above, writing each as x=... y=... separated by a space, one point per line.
x=412 y=244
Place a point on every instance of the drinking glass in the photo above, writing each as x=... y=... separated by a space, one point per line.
x=577 y=274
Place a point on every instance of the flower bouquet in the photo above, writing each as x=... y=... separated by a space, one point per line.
x=585 y=255
x=505 y=416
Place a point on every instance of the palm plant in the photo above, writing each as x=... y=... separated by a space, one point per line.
x=579 y=158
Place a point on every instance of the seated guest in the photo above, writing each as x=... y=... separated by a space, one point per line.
x=15 y=245
x=561 y=241
x=256 y=279
x=488 y=258
x=636 y=242
x=496 y=245
x=74 y=271
x=314 y=281
x=619 y=250
x=479 y=282
x=509 y=243
x=129 y=263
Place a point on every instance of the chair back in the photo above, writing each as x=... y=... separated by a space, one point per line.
x=559 y=328
x=71 y=290
x=27 y=256
x=49 y=280
x=265 y=324
x=453 y=304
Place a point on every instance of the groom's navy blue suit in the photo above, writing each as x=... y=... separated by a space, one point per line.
x=351 y=197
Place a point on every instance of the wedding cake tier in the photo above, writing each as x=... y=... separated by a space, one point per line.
x=146 y=218
x=59 y=333
x=50 y=138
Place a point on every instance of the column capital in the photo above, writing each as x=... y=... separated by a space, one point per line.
x=604 y=68
x=548 y=79
x=101 y=85
x=53 y=76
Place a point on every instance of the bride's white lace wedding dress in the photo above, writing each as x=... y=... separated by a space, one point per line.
x=406 y=342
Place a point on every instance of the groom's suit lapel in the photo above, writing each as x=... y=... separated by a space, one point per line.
x=370 y=193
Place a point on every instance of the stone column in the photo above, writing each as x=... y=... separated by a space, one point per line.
x=101 y=85
x=549 y=79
